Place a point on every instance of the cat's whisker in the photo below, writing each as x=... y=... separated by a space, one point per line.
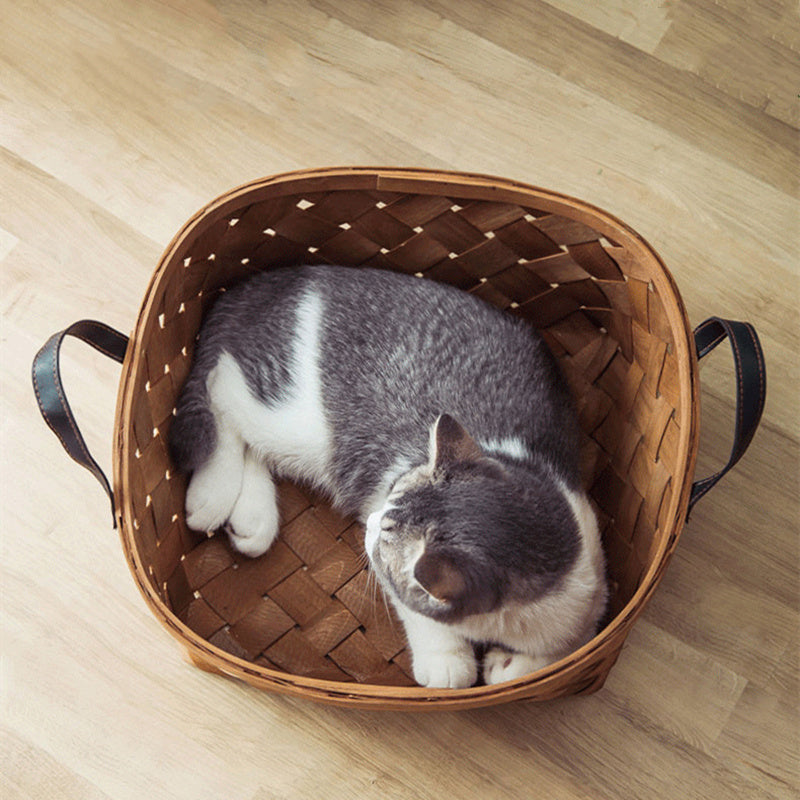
x=388 y=612
x=372 y=587
x=362 y=560
x=375 y=591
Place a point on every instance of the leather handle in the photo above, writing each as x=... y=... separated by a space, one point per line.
x=50 y=395
x=751 y=387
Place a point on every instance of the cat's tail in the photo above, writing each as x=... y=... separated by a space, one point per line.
x=193 y=431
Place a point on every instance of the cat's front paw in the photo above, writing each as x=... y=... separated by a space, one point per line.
x=500 y=665
x=454 y=669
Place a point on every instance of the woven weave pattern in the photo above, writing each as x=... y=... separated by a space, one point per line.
x=306 y=608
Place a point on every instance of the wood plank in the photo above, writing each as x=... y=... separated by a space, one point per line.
x=119 y=120
x=735 y=47
x=638 y=82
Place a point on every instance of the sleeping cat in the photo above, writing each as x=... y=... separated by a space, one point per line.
x=439 y=421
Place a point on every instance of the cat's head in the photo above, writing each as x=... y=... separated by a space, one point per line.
x=466 y=532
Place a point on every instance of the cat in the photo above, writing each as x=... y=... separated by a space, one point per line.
x=439 y=421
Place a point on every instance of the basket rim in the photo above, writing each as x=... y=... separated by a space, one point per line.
x=412 y=181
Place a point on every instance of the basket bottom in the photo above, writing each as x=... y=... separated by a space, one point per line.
x=308 y=607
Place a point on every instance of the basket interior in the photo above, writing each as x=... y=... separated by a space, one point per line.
x=307 y=607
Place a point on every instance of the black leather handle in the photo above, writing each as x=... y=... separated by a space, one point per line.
x=751 y=387
x=50 y=391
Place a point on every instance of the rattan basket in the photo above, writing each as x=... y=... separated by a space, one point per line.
x=301 y=619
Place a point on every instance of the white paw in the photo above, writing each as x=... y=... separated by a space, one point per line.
x=211 y=496
x=445 y=670
x=253 y=525
x=500 y=665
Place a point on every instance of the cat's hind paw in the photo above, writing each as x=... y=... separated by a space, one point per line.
x=211 y=496
x=500 y=665
x=254 y=521
x=253 y=526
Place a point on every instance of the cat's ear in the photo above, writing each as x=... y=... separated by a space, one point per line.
x=440 y=577
x=450 y=443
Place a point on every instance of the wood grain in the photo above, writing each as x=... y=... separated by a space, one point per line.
x=119 y=120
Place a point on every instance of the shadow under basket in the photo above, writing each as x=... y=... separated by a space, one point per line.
x=304 y=619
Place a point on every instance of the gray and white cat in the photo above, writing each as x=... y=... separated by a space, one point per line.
x=441 y=422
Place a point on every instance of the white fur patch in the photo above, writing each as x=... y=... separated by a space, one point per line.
x=440 y=656
x=432 y=446
x=292 y=436
x=589 y=573
x=510 y=446
x=372 y=530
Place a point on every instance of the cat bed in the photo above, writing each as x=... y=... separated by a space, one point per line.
x=305 y=619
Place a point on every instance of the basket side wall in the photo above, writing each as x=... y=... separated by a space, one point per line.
x=601 y=298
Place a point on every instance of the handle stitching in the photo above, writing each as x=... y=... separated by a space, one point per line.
x=706 y=324
x=85 y=330
x=759 y=357
x=47 y=417
x=57 y=382
x=115 y=334
x=702 y=491
x=96 y=346
x=740 y=396
x=701 y=487
x=123 y=340
x=735 y=454
x=714 y=342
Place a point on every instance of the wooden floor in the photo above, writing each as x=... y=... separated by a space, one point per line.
x=118 y=120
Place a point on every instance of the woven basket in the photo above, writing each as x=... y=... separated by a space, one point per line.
x=302 y=619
